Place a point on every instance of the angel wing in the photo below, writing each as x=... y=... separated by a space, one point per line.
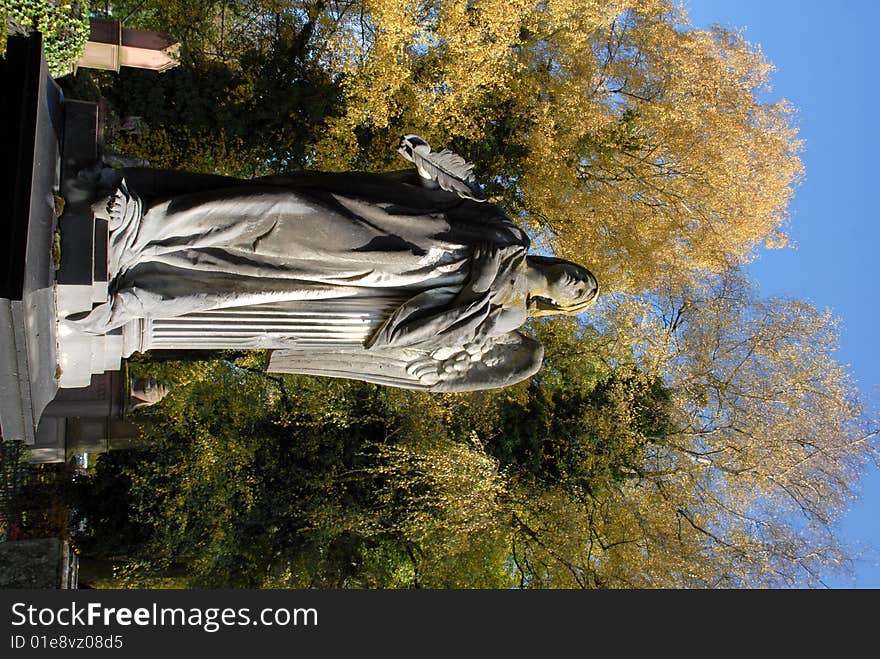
x=444 y=168
x=497 y=362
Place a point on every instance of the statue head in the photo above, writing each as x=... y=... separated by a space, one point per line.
x=566 y=287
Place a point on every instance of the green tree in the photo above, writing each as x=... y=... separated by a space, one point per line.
x=247 y=99
x=64 y=27
x=254 y=480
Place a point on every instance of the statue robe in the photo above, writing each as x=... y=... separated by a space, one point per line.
x=183 y=244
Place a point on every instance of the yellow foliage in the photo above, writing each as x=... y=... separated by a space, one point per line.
x=769 y=442
x=646 y=151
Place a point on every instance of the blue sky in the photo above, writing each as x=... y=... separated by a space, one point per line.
x=825 y=54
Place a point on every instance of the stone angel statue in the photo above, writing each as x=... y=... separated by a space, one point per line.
x=409 y=279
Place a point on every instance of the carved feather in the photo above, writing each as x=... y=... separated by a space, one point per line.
x=449 y=170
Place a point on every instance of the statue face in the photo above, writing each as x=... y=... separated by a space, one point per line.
x=570 y=288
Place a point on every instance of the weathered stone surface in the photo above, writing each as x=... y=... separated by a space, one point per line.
x=42 y=563
x=51 y=150
x=111 y=46
x=103 y=397
x=32 y=121
x=50 y=444
x=16 y=411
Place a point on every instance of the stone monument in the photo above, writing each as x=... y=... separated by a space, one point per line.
x=409 y=279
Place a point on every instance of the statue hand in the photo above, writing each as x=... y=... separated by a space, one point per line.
x=426 y=370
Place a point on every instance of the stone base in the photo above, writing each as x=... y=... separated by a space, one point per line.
x=80 y=356
x=51 y=441
x=50 y=146
x=32 y=128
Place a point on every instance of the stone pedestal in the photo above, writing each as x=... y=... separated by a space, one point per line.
x=32 y=129
x=51 y=266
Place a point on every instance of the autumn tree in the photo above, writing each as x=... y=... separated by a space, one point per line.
x=256 y=480
x=716 y=452
x=769 y=439
x=690 y=435
x=633 y=142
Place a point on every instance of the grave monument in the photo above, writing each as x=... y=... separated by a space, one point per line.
x=408 y=279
